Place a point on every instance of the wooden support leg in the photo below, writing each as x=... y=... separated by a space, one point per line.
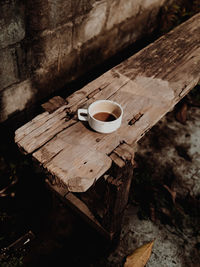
x=108 y=198
x=118 y=186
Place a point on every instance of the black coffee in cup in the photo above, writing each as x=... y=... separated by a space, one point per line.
x=104 y=116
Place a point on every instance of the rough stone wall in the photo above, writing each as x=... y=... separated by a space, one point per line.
x=46 y=43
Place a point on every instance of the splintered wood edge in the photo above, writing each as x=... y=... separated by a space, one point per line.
x=133 y=70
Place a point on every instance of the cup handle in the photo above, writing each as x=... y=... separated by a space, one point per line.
x=84 y=116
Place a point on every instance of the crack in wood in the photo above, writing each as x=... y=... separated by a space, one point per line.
x=94 y=93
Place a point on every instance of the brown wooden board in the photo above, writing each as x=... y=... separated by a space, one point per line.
x=147 y=85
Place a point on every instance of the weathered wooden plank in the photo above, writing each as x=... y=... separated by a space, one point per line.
x=147 y=85
x=134 y=100
x=80 y=134
x=167 y=56
x=173 y=64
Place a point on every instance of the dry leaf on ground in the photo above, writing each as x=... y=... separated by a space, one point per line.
x=140 y=256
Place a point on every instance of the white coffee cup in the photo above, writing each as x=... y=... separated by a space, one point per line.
x=103 y=116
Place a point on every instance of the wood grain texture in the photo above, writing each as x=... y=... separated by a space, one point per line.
x=147 y=85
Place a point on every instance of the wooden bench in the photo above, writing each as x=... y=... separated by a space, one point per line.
x=90 y=171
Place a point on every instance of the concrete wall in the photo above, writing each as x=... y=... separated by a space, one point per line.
x=46 y=43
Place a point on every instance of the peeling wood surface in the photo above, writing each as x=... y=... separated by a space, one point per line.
x=147 y=85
